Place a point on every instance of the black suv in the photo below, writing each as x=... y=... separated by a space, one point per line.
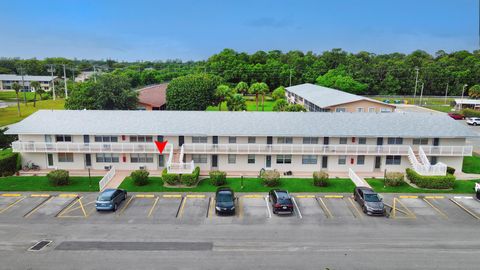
x=224 y=201
x=281 y=201
x=369 y=200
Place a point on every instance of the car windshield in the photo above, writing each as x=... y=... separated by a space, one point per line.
x=372 y=198
x=105 y=196
x=224 y=197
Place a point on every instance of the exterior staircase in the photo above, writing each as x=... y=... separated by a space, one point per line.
x=175 y=162
x=422 y=165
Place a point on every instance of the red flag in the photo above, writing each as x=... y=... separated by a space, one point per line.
x=161 y=145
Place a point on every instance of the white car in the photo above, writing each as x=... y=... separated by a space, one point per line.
x=473 y=121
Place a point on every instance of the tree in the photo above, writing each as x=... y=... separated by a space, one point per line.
x=109 y=92
x=295 y=108
x=35 y=85
x=242 y=88
x=280 y=105
x=17 y=88
x=236 y=103
x=278 y=93
x=40 y=92
x=474 y=91
x=221 y=94
x=338 y=79
x=193 y=92
x=6 y=140
x=258 y=89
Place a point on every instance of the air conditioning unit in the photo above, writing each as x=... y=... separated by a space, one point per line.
x=143 y=167
x=107 y=168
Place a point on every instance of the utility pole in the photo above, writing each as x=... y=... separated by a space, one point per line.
x=416 y=83
x=290 y=77
x=51 y=70
x=22 y=73
x=446 y=92
x=463 y=91
x=94 y=73
x=65 y=81
x=421 y=94
x=73 y=73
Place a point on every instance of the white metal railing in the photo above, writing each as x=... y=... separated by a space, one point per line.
x=357 y=180
x=67 y=147
x=426 y=169
x=107 y=178
x=170 y=156
x=423 y=157
x=182 y=152
x=181 y=167
x=448 y=150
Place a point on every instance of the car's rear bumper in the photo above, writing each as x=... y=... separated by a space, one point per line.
x=225 y=212
x=282 y=211
x=104 y=208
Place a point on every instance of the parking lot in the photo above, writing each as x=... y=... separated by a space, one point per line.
x=250 y=208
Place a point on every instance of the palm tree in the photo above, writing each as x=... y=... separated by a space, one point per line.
x=236 y=103
x=474 y=91
x=35 y=85
x=242 y=88
x=264 y=90
x=256 y=89
x=17 y=88
x=221 y=93
x=40 y=92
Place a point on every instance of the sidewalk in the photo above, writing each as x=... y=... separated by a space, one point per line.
x=117 y=179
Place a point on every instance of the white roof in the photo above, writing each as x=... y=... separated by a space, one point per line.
x=295 y=124
x=467 y=101
x=13 y=77
x=326 y=97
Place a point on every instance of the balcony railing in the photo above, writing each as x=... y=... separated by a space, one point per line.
x=319 y=149
x=198 y=148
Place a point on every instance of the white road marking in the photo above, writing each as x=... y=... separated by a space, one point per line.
x=269 y=213
x=296 y=206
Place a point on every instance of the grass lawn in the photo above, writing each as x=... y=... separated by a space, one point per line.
x=460 y=187
x=41 y=183
x=5 y=152
x=250 y=106
x=250 y=185
x=471 y=164
x=11 y=96
x=440 y=108
x=409 y=99
x=9 y=114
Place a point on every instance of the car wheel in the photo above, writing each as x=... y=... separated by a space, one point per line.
x=115 y=207
x=474 y=124
x=364 y=209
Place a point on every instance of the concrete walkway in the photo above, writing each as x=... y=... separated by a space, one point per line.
x=117 y=179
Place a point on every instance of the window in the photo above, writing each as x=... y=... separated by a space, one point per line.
x=106 y=157
x=343 y=140
x=362 y=140
x=197 y=158
x=433 y=160
x=340 y=110
x=361 y=160
x=199 y=139
x=65 y=157
x=232 y=159
x=393 y=160
x=385 y=110
x=63 y=138
x=395 y=140
x=284 y=159
x=371 y=110
x=360 y=110
x=284 y=140
x=420 y=141
x=324 y=162
x=342 y=160
x=141 y=158
x=252 y=140
x=106 y=139
x=232 y=139
x=309 y=159
x=251 y=159
x=141 y=139
x=310 y=140
x=161 y=161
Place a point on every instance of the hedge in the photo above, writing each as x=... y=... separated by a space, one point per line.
x=59 y=178
x=170 y=178
x=9 y=164
x=432 y=182
x=470 y=113
x=218 y=178
x=394 y=179
x=190 y=179
x=320 y=179
x=140 y=177
x=450 y=170
x=271 y=178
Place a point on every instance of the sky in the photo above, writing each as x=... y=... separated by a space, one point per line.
x=196 y=29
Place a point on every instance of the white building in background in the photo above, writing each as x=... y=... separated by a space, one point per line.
x=7 y=81
x=242 y=142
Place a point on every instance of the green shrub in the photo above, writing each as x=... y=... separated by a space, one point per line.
x=190 y=179
x=470 y=113
x=9 y=163
x=450 y=170
x=394 y=179
x=140 y=177
x=170 y=178
x=432 y=182
x=59 y=177
x=218 y=178
x=320 y=179
x=271 y=178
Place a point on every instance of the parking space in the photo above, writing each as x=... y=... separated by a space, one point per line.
x=194 y=208
x=339 y=207
x=52 y=206
x=254 y=207
x=167 y=207
x=309 y=207
x=468 y=204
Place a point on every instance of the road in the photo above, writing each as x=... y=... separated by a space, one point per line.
x=441 y=237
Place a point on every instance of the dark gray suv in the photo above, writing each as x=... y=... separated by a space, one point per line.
x=369 y=200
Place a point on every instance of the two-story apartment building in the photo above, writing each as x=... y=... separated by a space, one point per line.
x=7 y=81
x=242 y=142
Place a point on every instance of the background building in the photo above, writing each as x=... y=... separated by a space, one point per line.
x=317 y=98
x=7 y=80
x=153 y=98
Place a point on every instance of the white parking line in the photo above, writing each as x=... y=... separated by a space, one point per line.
x=463 y=197
x=296 y=206
x=269 y=213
